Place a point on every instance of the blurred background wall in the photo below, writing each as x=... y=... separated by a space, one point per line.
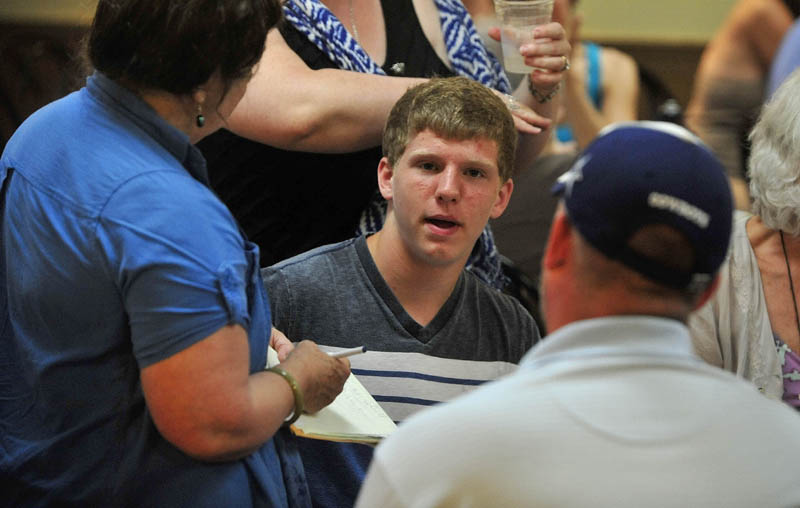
x=678 y=21
x=39 y=41
x=665 y=38
x=683 y=21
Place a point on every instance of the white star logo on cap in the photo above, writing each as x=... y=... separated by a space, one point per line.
x=575 y=174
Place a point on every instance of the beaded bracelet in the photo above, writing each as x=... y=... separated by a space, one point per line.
x=539 y=96
x=298 y=395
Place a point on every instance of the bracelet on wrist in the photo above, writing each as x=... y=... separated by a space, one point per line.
x=539 y=96
x=298 y=395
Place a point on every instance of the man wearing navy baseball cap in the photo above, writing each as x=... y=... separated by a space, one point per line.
x=613 y=407
x=651 y=207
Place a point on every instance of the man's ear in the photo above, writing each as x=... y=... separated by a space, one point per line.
x=503 y=197
x=558 y=242
x=707 y=294
x=385 y=174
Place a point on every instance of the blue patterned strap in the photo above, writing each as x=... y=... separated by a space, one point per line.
x=467 y=54
x=325 y=31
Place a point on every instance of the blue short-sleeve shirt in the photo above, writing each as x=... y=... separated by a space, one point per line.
x=114 y=256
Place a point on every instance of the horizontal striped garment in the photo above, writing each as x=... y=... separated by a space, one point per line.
x=336 y=296
x=404 y=383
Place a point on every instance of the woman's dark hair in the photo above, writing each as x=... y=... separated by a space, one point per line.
x=176 y=45
x=794 y=6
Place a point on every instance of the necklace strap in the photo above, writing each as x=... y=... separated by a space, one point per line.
x=791 y=284
x=353 y=23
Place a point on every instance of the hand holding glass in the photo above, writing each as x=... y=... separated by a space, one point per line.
x=518 y=19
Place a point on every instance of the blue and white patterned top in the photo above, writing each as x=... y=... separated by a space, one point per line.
x=468 y=57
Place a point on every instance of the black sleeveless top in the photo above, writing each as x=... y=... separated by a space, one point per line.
x=289 y=202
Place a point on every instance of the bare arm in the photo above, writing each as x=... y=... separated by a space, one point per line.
x=478 y=8
x=744 y=45
x=767 y=26
x=204 y=400
x=290 y=106
x=546 y=54
x=620 y=97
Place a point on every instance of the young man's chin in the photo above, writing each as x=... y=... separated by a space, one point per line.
x=440 y=255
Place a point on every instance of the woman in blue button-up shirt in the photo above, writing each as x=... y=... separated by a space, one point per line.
x=133 y=322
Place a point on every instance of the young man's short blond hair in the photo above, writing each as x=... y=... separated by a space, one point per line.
x=452 y=108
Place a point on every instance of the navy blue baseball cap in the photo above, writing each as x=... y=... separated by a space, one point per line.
x=636 y=174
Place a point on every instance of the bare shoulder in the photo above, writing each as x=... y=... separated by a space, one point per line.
x=621 y=69
x=615 y=59
x=754 y=17
x=759 y=25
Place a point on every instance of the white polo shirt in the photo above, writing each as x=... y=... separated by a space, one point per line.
x=610 y=412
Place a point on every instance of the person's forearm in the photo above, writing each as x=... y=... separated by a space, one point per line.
x=620 y=91
x=248 y=423
x=269 y=401
x=530 y=146
x=585 y=120
x=291 y=106
x=203 y=400
x=334 y=112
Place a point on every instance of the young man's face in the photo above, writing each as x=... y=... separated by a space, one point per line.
x=442 y=194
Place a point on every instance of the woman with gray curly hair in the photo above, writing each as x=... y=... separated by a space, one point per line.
x=752 y=325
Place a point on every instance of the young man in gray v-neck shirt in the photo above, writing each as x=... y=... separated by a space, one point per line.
x=432 y=329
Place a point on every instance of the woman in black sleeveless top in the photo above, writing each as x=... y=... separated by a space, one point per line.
x=316 y=174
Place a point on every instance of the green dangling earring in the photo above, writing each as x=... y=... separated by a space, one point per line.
x=200 y=120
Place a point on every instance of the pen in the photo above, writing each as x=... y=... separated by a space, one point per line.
x=349 y=352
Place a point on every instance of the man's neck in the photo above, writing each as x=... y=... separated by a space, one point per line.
x=600 y=304
x=421 y=288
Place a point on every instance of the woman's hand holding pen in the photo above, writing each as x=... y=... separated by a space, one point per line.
x=320 y=376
